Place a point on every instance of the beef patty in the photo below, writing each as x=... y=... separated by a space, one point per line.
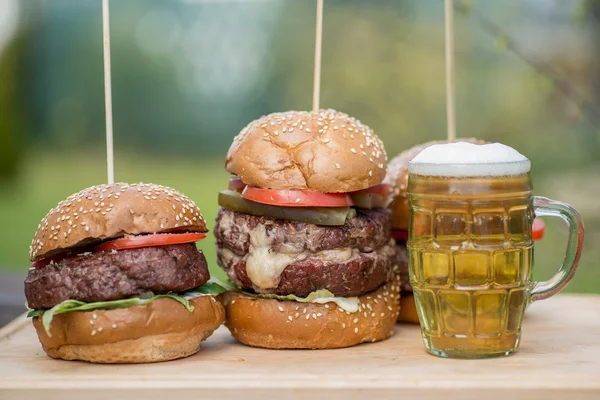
x=370 y=230
x=348 y=260
x=401 y=261
x=115 y=275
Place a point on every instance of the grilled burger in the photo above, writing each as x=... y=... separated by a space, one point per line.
x=304 y=233
x=397 y=180
x=117 y=278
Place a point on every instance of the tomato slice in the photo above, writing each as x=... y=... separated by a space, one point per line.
x=538 y=229
x=382 y=189
x=296 y=198
x=400 y=234
x=159 y=239
x=236 y=184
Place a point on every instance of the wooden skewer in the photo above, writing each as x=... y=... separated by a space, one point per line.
x=108 y=93
x=318 y=46
x=450 y=96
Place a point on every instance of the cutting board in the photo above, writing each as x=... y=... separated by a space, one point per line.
x=559 y=358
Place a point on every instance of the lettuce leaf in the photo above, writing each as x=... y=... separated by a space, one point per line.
x=210 y=288
x=322 y=296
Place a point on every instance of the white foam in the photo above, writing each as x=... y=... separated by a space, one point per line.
x=469 y=160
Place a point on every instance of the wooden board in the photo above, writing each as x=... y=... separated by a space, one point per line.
x=559 y=358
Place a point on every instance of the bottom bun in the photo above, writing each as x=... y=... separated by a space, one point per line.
x=158 y=331
x=408 y=309
x=275 y=324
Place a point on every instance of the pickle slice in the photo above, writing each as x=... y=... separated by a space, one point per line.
x=369 y=200
x=328 y=216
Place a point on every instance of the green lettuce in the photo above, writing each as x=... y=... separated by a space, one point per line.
x=209 y=288
x=322 y=296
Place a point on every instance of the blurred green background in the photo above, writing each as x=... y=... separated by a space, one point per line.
x=188 y=75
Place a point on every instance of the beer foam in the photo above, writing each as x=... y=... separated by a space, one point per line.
x=464 y=159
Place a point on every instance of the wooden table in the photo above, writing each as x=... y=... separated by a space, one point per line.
x=559 y=359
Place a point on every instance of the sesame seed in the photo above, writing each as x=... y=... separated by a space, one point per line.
x=100 y=329
x=382 y=314
x=343 y=325
x=290 y=317
x=114 y=326
x=297 y=315
x=314 y=316
x=326 y=305
x=232 y=301
x=353 y=150
x=355 y=320
x=280 y=308
x=94 y=316
x=365 y=314
x=319 y=314
x=355 y=330
x=93 y=332
x=337 y=165
x=390 y=308
x=307 y=316
x=326 y=140
x=91 y=322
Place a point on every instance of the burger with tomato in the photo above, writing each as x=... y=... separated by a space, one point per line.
x=117 y=278
x=304 y=233
x=397 y=180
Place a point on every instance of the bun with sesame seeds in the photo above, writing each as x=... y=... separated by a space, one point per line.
x=161 y=330
x=397 y=180
x=104 y=212
x=327 y=151
x=275 y=324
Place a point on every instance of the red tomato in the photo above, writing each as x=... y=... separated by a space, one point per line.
x=382 y=189
x=538 y=229
x=400 y=234
x=296 y=198
x=159 y=239
x=236 y=184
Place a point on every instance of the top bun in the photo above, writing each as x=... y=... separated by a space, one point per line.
x=397 y=179
x=110 y=211
x=327 y=151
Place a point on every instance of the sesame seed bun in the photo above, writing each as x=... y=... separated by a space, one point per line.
x=397 y=179
x=408 y=309
x=278 y=324
x=327 y=151
x=110 y=211
x=161 y=330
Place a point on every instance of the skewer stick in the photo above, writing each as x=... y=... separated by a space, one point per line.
x=318 y=45
x=108 y=93
x=450 y=110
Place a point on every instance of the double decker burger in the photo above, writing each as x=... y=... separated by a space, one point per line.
x=397 y=180
x=305 y=235
x=117 y=278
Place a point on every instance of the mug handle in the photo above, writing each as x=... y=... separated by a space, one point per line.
x=546 y=207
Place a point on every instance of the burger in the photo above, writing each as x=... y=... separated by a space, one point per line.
x=304 y=233
x=397 y=180
x=116 y=277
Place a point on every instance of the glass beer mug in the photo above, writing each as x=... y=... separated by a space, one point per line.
x=471 y=249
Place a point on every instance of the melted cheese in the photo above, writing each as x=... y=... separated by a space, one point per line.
x=264 y=266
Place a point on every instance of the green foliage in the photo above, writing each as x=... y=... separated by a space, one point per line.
x=13 y=127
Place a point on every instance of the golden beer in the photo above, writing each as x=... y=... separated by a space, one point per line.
x=471 y=253
x=470 y=247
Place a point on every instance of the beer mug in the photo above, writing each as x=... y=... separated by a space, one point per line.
x=471 y=249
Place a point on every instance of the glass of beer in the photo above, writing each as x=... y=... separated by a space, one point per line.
x=471 y=249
